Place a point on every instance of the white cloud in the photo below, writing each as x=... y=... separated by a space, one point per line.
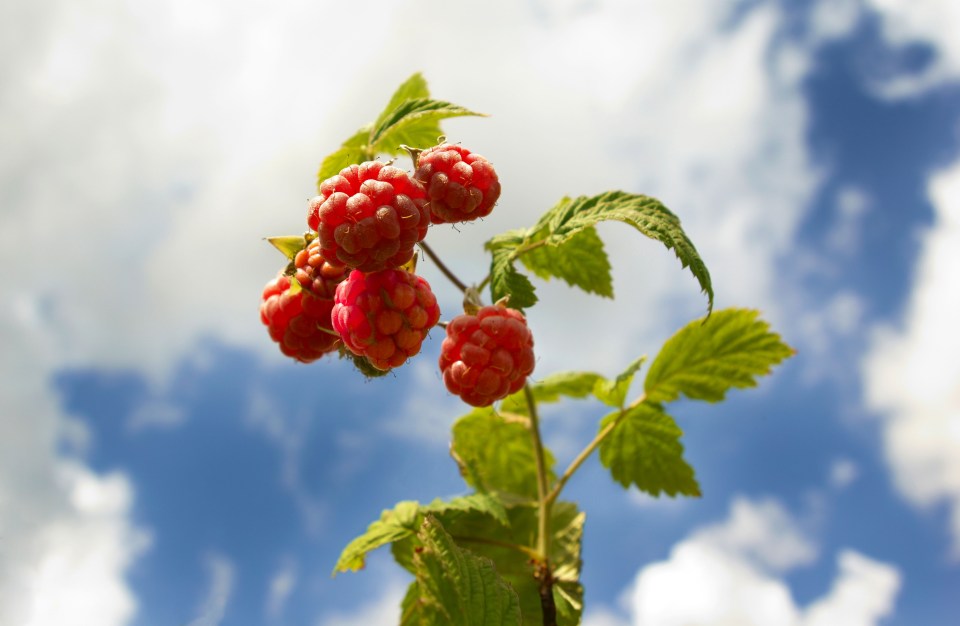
x=384 y=609
x=931 y=22
x=726 y=575
x=842 y=473
x=912 y=375
x=863 y=593
x=62 y=561
x=282 y=584
x=851 y=204
x=214 y=605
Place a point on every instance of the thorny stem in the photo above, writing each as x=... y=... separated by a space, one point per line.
x=443 y=268
x=543 y=573
x=587 y=451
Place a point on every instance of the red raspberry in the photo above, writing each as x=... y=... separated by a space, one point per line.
x=487 y=356
x=369 y=216
x=461 y=186
x=385 y=315
x=297 y=320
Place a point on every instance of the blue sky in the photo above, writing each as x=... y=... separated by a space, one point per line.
x=161 y=462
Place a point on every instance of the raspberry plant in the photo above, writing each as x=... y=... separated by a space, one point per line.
x=509 y=551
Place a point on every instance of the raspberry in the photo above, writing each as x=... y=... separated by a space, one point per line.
x=297 y=320
x=384 y=315
x=461 y=186
x=369 y=216
x=316 y=275
x=487 y=356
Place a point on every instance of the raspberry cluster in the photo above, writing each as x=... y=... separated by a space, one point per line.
x=369 y=216
x=354 y=293
x=461 y=186
x=384 y=315
x=487 y=356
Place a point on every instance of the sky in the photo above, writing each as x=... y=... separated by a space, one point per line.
x=161 y=463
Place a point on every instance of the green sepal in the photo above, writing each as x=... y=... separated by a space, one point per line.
x=288 y=245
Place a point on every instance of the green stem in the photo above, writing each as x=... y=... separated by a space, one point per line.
x=587 y=451
x=543 y=571
x=514 y=256
x=529 y=552
x=442 y=267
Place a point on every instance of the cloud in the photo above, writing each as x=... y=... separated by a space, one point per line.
x=282 y=584
x=911 y=374
x=728 y=574
x=930 y=22
x=842 y=473
x=65 y=550
x=214 y=605
x=383 y=610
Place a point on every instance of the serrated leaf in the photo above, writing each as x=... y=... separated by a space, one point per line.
x=499 y=453
x=353 y=151
x=412 y=122
x=459 y=587
x=288 y=245
x=706 y=358
x=579 y=260
x=644 y=450
x=552 y=388
x=394 y=524
x=644 y=213
x=413 y=88
x=505 y=280
x=482 y=503
x=505 y=545
x=614 y=392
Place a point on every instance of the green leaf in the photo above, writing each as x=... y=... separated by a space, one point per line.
x=413 y=88
x=510 y=546
x=580 y=260
x=644 y=213
x=614 y=392
x=644 y=450
x=288 y=245
x=498 y=454
x=706 y=358
x=505 y=280
x=413 y=122
x=552 y=388
x=458 y=587
x=394 y=524
x=353 y=151
x=482 y=503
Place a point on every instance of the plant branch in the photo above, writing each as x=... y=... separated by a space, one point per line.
x=542 y=572
x=443 y=268
x=500 y=544
x=587 y=451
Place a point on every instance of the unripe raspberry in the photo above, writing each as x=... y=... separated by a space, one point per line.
x=487 y=356
x=384 y=315
x=316 y=275
x=369 y=216
x=298 y=321
x=461 y=186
